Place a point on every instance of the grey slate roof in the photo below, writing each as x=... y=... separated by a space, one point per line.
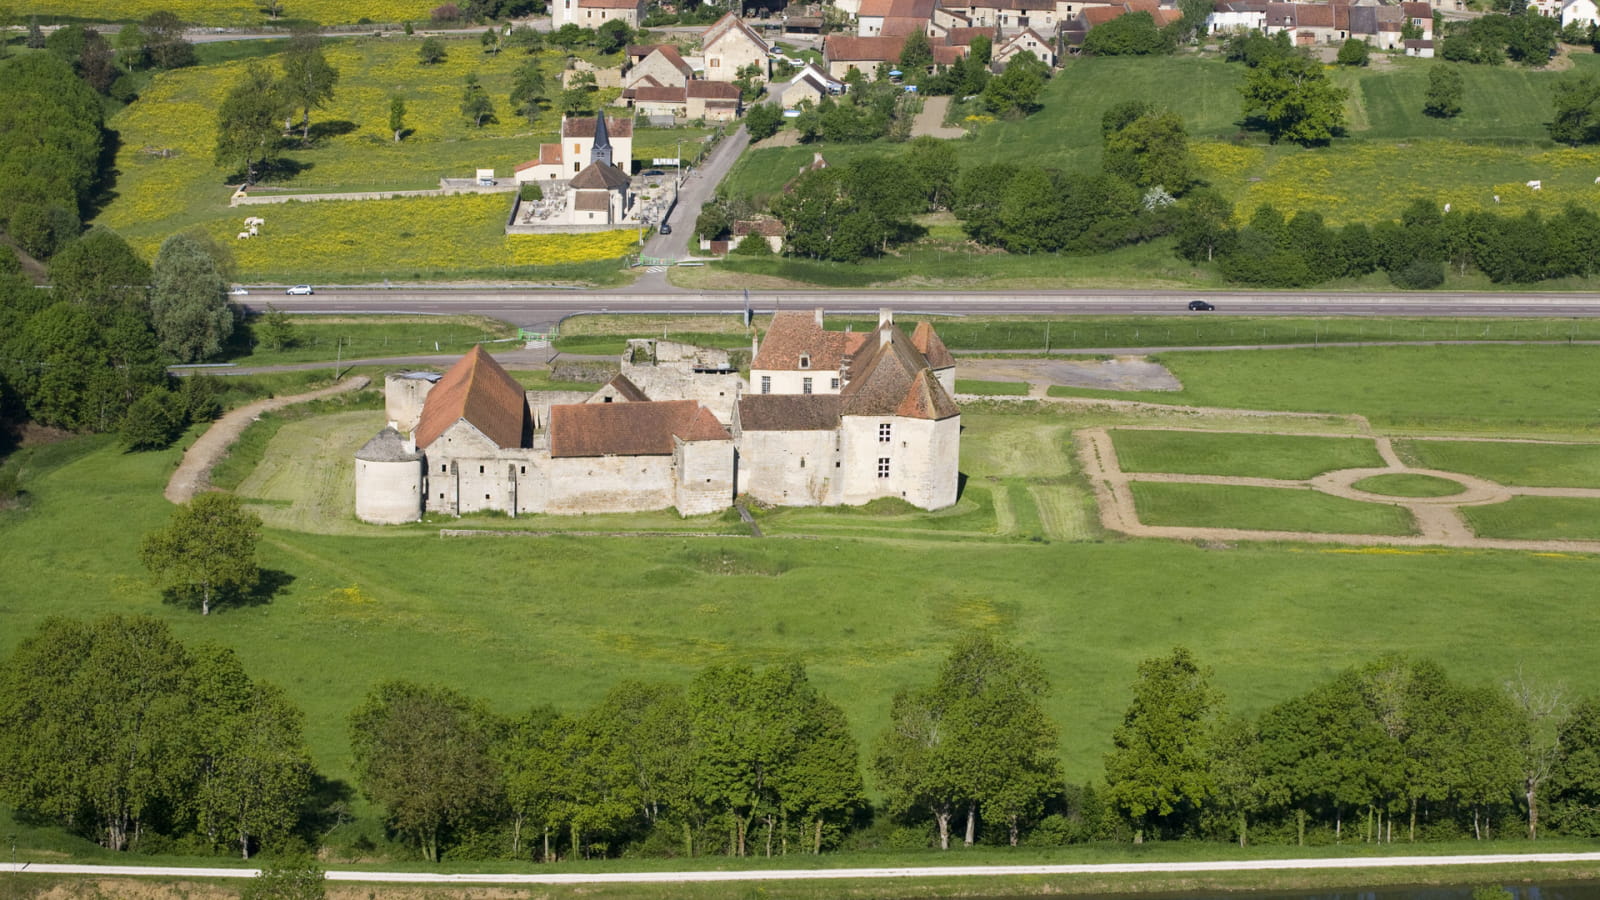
x=387 y=446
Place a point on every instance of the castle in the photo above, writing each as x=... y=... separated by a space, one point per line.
x=827 y=418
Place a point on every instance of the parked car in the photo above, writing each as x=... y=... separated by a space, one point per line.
x=651 y=173
x=1200 y=306
x=239 y=291
x=300 y=289
x=665 y=228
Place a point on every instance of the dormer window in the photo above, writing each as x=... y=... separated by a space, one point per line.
x=805 y=360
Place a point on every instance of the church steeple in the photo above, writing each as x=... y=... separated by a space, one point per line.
x=601 y=152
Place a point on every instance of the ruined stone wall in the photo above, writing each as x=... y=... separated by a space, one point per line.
x=402 y=400
x=607 y=484
x=718 y=393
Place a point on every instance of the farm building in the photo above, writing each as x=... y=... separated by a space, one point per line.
x=677 y=427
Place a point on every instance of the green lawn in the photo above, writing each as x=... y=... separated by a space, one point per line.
x=1252 y=455
x=992 y=388
x=1537 y=519
x=1265 y=509
x=319 y=338
x=1408 y=484
x=1528 y=465
x=1482 y=388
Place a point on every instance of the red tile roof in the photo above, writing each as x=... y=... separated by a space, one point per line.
x=917 y=9
x=793 y=333
x=944 y=56
x=477 y=390
x=789 y=412
x=890 y=378
x=1417 y=10
x=713 y=90
x=660 y=94
x=927 y=342
x=849 y=48
x=583 y=127
x=1313 y=15
x=962 y=37
x=630 y=429
x=549 y=155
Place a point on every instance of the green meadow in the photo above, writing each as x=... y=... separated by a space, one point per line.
x=1264 y=509
x=1292 y=457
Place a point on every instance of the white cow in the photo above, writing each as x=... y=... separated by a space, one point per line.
x=255 y=220
x=1536 y=185
x=1497 y=198
x=253 y=231
x=1447 y=207
x=243 y=235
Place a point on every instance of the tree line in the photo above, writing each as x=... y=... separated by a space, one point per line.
x=90 y=352
x=115 y=731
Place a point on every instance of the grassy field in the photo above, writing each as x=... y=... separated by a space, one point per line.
x=320 y=338
x=1407 y=484
x=168 y=181
x=233 y=12
x=1255 y=455
x=992 y=388
x=1471 y=388
x=1528 y=465
x=1267 y=509
x=1537 y=518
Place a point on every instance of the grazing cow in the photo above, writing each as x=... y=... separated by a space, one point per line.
x=253 y=231
x=243 y=235
x=255 y=220
x=1447 y=207
x=1536 y=185
x=1497 y=198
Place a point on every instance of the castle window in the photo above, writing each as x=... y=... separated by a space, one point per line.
x=802 y=462
x=883 y=467
x=608 y=399
x=883 y=433
x=835 y=384
x=524 y=470
x=805 y=360
x=766 y=384
x=443 y=467
x=805 y=385
x=480 y=470
x=485 y=496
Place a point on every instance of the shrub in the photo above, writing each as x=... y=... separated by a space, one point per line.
x=1419 y=275
x=446 y=13
x=530 y=191
x=1354 y=52
x=752 y=245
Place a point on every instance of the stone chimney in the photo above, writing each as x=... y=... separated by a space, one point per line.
x=818 y=315
x=885 y=326
x=885 y=317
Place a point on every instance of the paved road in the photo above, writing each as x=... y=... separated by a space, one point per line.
x=1391 y=862
x=533 y=307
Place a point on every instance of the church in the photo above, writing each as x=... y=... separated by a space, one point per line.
x=836 y=418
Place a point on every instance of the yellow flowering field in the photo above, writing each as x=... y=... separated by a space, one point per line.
x=1362 y=181
x=398 y=239
x=235 y=12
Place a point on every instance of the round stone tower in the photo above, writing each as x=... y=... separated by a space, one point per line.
x=388 y=480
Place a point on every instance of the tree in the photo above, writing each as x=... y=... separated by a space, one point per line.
x=763 y=121
x=189 y=299
x=1533 y=39
x=1133 y=34
x=1577 y=110
x=308 y=80
x=529 y=94
x=1150 y=151
x=247 y=123
x=976 y=740
x=424 y=754
x=933 y=167
x=1016 y=90
x=525 y=38
x=164 y=41
x=916 y=56
x=490 y=40
x=153 y=421
x=1445 y=89
x=273 y=8
x=532 y=758
x=207 y=552
x=579 y=94
x=95 y=726
x=1544 y=714
x=397 y=117
x=130 y=47
x=1354 y=52
x=1205 y=226
x=1293 y=100
x=254 y=772
x=431 y=51
x=612 y=36
x=102 y=273
x=292 y=877
x=35 y=39
x=475 y=102
x=1158 y=776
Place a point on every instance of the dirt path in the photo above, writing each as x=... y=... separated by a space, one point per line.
x=1438 y=519
x=930 y=121
x=194 y=473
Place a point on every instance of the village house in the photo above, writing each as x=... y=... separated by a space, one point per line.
x=656 y=65
x=843 y=52
x=676 y=428
x=729 y=46
x=1026 y=40
x=1580 y=12
x=809 y=85
x=565 y=159
x=893 y=17
x=712 y=101
x=594 y=13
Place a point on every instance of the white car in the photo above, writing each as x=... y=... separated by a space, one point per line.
x=301 y=290
x=239 y=291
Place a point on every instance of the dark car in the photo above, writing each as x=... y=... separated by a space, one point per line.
x=652 y=172
x=1200 y=306
x=665 y=228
